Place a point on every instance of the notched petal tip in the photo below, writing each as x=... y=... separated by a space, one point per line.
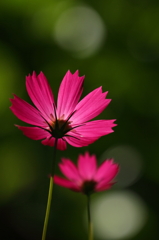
x=34 y=74
x=77 y=72
x=14 y=95
x=41 y=74
x=101 y=90
x=111 y=122
x=88 y=155
x=12 y=101
x=31 y=75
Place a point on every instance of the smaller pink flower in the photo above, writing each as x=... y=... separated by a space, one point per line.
x=87 y=177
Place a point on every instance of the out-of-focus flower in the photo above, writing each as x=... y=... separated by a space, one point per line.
x=68 y=120
x=86 y=177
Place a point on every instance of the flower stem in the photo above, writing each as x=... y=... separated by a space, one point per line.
x=90 y=227
x=49 y=194
x=47 y=209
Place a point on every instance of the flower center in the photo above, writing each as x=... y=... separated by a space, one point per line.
x=88 y=187
x=59 y=128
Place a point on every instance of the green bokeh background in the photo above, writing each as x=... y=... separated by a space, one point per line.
x=126 y=65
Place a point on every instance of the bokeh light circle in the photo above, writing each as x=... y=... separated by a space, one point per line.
x=130 y=161
x=118 y=215
x=80 y=30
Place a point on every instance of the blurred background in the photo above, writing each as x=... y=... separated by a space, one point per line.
x=115 y=44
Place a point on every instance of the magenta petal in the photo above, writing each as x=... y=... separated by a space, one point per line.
x=69 y=169
x=101 y=186
x=25 y=112
x=81 y=141
x=90 y=106
x=61 y=144
x=34 y=133
x=66 y=183
x=50 y=141
x=87 y=166
x=69 y=94
x=107 y=171
x=96 y=129
x=40 y=93
x=89 y=132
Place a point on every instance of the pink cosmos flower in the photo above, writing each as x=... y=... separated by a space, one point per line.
x=68 y=120
x=86 y=177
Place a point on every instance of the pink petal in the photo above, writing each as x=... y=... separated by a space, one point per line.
x=90 y=106
x=50 y=141
x=61 y=144
x=107 y=171
x=69 y=169
x=89 y=132
x=95 y=129
x=34 y=133
x=69 y=94
x=81 y=142
x=66 y=183
x=40 y=93
x=101 y=186
x=25 y=112
x=87 y=166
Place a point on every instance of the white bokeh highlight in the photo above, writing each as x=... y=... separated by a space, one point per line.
x=130 y=161
x=118 y=215
x=80 y=30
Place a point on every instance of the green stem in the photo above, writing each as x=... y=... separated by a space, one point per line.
x=90 y=227
x=47 y=209
x=49 y=194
